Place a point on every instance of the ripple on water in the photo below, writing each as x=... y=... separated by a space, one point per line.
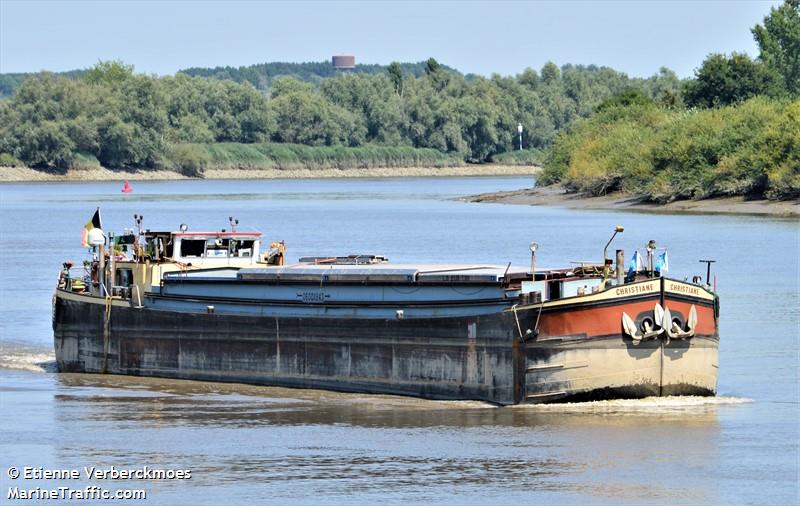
x=648 y=405
x=27 y=358
x=36 y=359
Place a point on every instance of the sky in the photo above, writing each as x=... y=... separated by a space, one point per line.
x=162 y=37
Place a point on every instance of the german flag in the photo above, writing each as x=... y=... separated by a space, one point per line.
x=93 y=223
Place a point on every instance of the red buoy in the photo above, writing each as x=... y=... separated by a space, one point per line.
x=126 y=188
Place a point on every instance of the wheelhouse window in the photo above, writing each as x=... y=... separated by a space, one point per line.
x=241 y=249
x=217 y=248
x=193 y=247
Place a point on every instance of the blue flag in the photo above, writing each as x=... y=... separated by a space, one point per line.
x=635 y=265
x=662 y=262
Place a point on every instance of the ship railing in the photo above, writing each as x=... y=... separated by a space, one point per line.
x=73 y=279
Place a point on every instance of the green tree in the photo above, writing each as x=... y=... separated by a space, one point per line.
x=82 y=131
x=478 y=118
x=431 y=66
x=629 y=97
x=779 y=41
x=396 y=76
x=550 y=73
x=118 y=144
x=436 y=74
x=529 y=78
x=305 y=117
x=721 y=80
x=433 y=118
x=46 y=145
x=665 y=88
x=373 y=103
x=191 y=128
x=286 y=85
x=109 y=73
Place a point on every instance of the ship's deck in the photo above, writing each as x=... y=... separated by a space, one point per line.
x=383 y=272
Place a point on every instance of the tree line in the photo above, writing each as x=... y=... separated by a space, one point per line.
x=262 y=75
x=129 y=120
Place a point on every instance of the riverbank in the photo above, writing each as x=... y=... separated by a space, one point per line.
x=556 y=195
x=25 y=174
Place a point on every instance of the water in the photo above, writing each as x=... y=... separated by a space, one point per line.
x=283 y=446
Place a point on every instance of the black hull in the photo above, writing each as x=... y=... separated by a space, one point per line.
x=430 y=358
x=454 y=358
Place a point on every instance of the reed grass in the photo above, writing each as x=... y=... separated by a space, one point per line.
x=193 y=159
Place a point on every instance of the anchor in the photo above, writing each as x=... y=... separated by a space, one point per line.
x=662 y=323
x=650 y=328
x=673 y=328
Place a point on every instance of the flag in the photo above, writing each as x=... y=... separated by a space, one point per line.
x=635 y=265
x=91 y=224
x=662 y=262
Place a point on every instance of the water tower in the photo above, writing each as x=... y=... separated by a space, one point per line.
x=344 y=62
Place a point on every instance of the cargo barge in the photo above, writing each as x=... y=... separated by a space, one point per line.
x=209 y=306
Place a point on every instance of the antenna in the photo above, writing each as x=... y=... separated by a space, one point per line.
x=708 y=269
x=234 y=223
x=138 y=219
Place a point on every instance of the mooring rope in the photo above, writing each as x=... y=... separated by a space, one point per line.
x=535 y=332
x=106 y=332
x=519 y=327
x=539 y=315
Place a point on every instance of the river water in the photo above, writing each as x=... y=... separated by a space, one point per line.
x=283 y=446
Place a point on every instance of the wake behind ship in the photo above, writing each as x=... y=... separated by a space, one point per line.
x=210 y=306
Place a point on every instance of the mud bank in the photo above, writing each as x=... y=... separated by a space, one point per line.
x=557 y=196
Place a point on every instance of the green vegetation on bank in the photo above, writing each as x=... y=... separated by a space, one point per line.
x=193 y=159
x=740 y=137
x=752 y=148
x=531 y=156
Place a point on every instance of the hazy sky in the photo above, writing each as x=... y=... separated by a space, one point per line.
x=636 y=37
